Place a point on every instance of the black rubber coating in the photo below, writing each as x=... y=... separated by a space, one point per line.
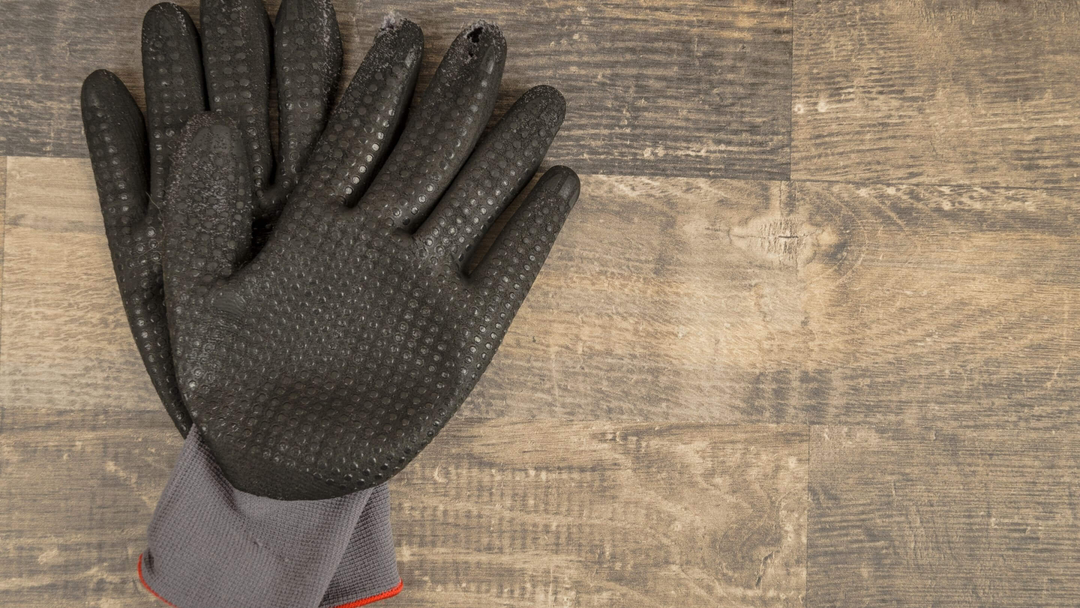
x=131 y=161
x=322 y=363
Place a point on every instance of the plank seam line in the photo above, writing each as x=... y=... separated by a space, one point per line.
x=935 y=185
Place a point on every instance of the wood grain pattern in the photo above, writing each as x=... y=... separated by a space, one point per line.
x=850 y=304
x=918 y=517
x=647 y=321
x=66 y=341
x=942 y=305
x=674 y=88
x=492 y=514
x=3 y=207
x=604 y=514
x=929 y=91
x=648 y=309
x=673 y=300
x=78 y=489
x=912 y=294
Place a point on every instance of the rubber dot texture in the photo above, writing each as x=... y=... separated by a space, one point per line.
x=330 y=360
x=116 y=139
x=176 y=91
x=321 y=359
x=308 y=62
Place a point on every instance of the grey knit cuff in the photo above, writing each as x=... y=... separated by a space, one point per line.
x=211 y=546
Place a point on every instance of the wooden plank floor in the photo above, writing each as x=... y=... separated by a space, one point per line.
x=810 y=337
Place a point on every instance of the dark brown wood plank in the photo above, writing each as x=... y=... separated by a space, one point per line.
x=604 y=514
x=48 y=48
x=919 y=517
x=961 y=92
x=676 y=88
x=671 y=88
x=491 y=514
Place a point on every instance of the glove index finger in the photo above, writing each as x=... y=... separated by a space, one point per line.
x=173 y=76
x=307 y=59
x=116 y=138
x=236 y=60
x=362 y=129
x=441 y=132
x=503 y=163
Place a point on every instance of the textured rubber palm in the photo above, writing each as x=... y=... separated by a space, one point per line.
x=326 y=363
x=132 y=163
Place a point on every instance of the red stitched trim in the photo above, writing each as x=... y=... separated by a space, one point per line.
x=361 y=602
x=375 y=598
x=147 y=585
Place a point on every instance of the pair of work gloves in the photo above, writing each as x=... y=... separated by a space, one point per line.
x=308 y=317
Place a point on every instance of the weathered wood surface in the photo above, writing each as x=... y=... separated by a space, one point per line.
x=3 y=204
x=492 y=514
x=916 y=517
x=65 y=339
x=671 y=300
x=675 y=88
x=941 y=92
x=605 y=514
x=941 y=306
x=720 y=300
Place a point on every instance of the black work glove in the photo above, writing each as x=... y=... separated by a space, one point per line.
x=228 y=72
x=120 y=155
x=328 y=361
x=131 y=176
x=323 y=365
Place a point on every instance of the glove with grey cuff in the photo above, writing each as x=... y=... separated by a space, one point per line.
x=132 y=170
x=318 y=356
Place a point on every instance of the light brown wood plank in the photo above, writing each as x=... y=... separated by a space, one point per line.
x=648 y=309
x=962 y=92
x=674 y=88
x=919 y=517
x=491 y=514
x=645 y=310
x=674 y=300
x=3 y=207
x=66 y=341
x=848 y=304
x=940 y=305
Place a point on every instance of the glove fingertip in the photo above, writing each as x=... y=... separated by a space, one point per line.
x=166 y=15
x=116 y=140
x=103 y=89
x=562 y=182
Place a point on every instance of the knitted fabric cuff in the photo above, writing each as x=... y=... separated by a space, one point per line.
x=212 y=546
